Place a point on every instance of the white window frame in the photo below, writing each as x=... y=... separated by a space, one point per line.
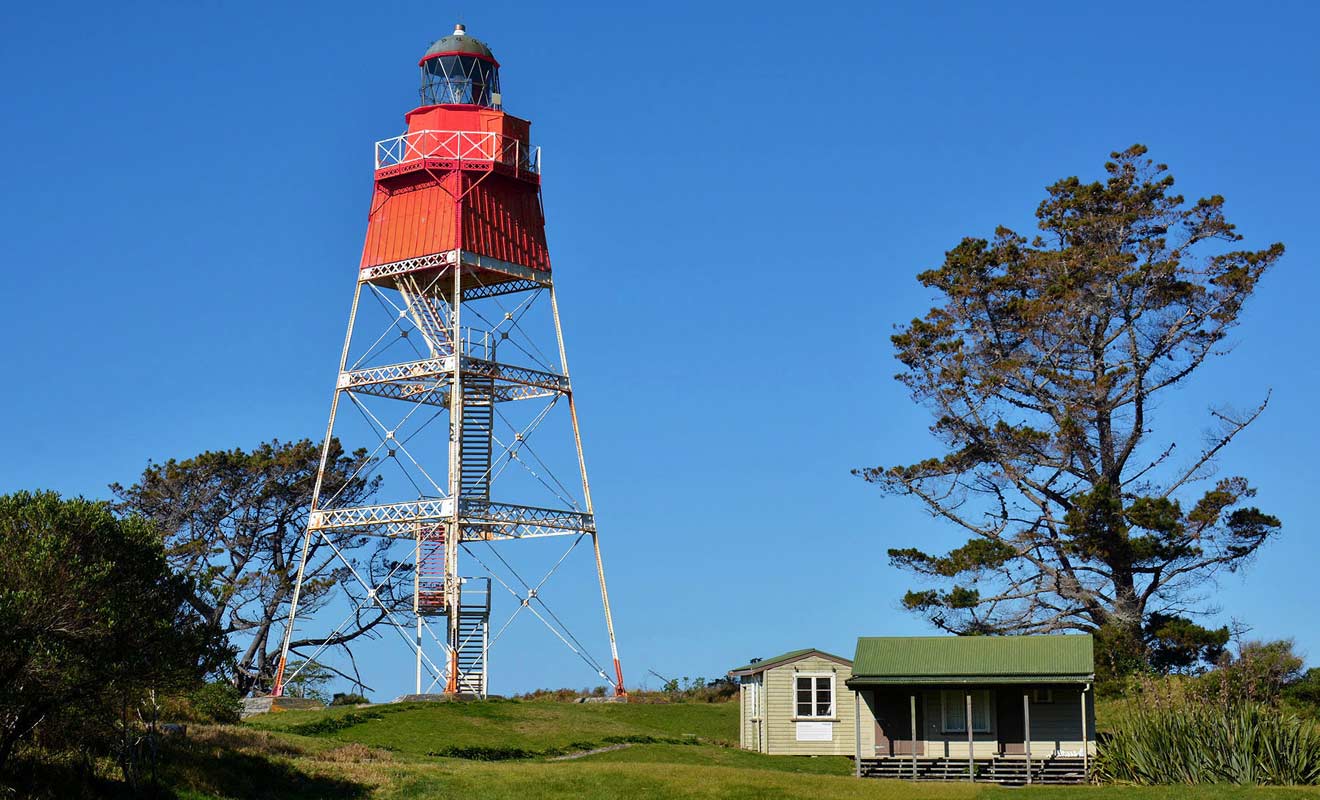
x=834 y=696
x=962 y=706
x=753 y=696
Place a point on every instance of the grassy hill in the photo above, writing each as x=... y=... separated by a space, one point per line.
x=391 y=752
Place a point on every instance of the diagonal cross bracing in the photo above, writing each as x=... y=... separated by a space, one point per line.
x=517 y=383
x=479 y=520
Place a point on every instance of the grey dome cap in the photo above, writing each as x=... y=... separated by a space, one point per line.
x=459 y=42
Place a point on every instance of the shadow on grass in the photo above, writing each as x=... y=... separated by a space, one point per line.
x=219 y=764
x=252 y=776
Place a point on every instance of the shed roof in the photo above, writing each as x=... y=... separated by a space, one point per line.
x=973 y=659
x=784 y=658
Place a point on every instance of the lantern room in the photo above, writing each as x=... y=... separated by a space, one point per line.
x=460 y=70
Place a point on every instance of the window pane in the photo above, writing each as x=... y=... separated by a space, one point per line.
x=980 y=711
x=955 y=711
x=824 y=702
x=804 y=708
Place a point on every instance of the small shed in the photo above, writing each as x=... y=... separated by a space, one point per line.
x=1008 y=709
x=796 y=703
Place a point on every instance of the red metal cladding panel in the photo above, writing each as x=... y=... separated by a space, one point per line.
x=502 y=219
x=411 y=219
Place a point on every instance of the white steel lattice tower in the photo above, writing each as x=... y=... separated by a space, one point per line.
x=456 y=272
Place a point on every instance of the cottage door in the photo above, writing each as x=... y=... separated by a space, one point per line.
x=1011 y=727
x=893 y=724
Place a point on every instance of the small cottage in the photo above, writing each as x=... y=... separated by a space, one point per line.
x=796 y=703
x=1008 y=709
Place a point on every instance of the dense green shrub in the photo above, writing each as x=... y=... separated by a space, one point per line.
x=1184 y=740
x=348 y=699
x=93 y=626
x=218 y=701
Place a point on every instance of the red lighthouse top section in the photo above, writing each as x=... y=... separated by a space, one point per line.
x=462 y=185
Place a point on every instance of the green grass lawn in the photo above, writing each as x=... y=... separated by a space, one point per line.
x=381 y=753
x=422 y=728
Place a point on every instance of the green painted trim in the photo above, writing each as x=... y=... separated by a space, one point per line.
x=961 y=680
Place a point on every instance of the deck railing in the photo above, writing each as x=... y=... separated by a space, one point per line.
x=466 y=146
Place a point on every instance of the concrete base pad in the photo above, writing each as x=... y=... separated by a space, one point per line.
x=266 y=703
x=440 y=698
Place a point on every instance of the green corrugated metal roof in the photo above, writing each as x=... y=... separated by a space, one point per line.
x=766 y=663
x=956 y=659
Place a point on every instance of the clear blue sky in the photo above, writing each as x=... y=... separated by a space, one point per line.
x=738 y=195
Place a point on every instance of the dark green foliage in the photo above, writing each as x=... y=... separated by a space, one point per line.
x=217 y=701
x=92 y=624
x=348 y=699
x=1192 y=742
x=1042 y=364
x=233 y=521
x=1176 y=644
x=1305 y=689
x=327 y=725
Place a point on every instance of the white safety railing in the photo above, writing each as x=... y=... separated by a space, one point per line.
x=476 y=146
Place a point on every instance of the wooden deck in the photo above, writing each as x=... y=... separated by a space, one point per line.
x=1005 y=770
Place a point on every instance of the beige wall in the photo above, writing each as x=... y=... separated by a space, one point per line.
x=776 y=731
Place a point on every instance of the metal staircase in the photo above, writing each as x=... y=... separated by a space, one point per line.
x=473 y=635
x=474 y=446
x=1007 y=771
x=428 y=316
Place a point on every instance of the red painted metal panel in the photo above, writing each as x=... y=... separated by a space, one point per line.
x=413 y=212
x=502 y=219
x=411 y=220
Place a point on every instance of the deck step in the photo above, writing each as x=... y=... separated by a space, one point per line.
x=1004 y=771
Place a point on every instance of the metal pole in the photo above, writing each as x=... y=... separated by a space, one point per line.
x=857 y=732
x=913 y=708
x=1026 y=730
x=1086 y=749
x=417 y=603
x=453 y=536
x=278 y=688
x=619 y=689
x=971 y=751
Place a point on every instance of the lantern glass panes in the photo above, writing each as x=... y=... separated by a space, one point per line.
x=460 y=80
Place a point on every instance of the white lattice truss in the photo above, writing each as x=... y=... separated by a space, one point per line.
x=433 y=293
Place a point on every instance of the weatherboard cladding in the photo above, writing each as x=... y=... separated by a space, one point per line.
x=968 y=659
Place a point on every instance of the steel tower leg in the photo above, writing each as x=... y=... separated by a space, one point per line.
x=619 y=689
x=453 y=536
x=278 y=688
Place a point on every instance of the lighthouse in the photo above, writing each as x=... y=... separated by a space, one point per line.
x=444 y=361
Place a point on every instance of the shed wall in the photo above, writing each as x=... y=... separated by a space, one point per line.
x=780 y=726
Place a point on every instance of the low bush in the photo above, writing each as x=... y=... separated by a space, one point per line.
x=1180 y=740
x=218 y=701
x=349 y=699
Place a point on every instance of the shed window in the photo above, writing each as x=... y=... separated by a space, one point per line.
x=815 y=695
x=953 y=711
x=1042 y=696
